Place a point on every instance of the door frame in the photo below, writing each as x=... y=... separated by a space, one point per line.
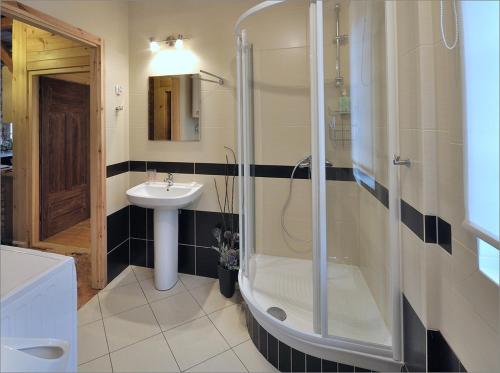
x=27 y=168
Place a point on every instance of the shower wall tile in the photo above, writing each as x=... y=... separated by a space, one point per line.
x=298 y=361
x=430 y=229
x=262 y=346
x=285 y=357
x=414 y=334
x=444 y=235
x=328 y=366
x=413 y=219
x=441 y=357
x=313 y=364
x=273 y=351
x=345 y=368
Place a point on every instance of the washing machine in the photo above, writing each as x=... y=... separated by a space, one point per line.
x=38 y=311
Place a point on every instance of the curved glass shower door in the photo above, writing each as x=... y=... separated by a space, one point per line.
x=277 y=212
x=359 y=275
x=318 y=206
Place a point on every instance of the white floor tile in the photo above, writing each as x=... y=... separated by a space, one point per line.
x=225 y=362
x=100 y=365
x=152 y=294
x=91 y=342
x=192 y=282
x=230 y=321
x=126 y=277
x=252 y=358
x=143 y=273
x=176 y=310
x=89 y=312
x=210 y=298
x=130 y=327
x=150 y=355
x=121 y=299
x=195 y=342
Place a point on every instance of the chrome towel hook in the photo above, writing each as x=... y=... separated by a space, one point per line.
x=397 y=161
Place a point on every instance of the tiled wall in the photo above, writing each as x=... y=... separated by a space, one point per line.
x=195 y=225
x=131 y=240
x=442 y=282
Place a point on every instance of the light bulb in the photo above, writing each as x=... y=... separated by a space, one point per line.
x=154 y=46
x=179 y=43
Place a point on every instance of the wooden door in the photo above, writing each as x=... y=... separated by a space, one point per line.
x=64 y=155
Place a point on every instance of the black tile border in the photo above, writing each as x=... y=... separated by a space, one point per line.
x=135 y=226
x=429 y=228
x=138 y=166
x=293 y=360
x=201 y=168
x=430 y=222
x=117 y=168
x=215 y=169
x=424 y=226
x=414 y=339
x=174 y=167
x=440 y=356
x=444 y=234
x=413 y=219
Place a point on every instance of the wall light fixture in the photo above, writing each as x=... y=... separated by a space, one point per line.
x=176 y=41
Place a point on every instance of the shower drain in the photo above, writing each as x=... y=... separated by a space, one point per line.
x=277 y=313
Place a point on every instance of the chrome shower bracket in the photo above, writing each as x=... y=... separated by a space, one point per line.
x=397 y=161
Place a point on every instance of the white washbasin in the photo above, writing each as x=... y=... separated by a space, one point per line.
x=165 y=200
x=157 y=195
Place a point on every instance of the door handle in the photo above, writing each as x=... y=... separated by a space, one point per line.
x=397 y=161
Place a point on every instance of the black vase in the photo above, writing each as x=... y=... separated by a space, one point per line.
x=226 y=281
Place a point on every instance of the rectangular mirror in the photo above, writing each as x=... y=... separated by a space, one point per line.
x=174 y=107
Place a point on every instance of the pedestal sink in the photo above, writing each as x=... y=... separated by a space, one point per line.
x=165 y=200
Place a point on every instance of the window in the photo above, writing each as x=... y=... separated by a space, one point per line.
x=480 y=51
x=489 y=260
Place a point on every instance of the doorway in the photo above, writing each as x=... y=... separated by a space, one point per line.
x=46 y=49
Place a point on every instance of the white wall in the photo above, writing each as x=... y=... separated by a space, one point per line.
x=108 y=20
x=212 y=48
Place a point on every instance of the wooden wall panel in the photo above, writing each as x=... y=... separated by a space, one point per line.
x=20 y=147
x=46 y=50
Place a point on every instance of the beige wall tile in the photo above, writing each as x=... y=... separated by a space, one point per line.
x=116 y=188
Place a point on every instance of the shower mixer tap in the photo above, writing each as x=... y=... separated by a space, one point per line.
x=306 y=162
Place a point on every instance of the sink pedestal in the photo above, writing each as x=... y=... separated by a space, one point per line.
x=166 y=223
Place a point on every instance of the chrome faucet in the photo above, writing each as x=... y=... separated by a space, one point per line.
x=169 y=180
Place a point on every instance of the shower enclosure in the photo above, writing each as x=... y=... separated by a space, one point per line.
x=319 y=221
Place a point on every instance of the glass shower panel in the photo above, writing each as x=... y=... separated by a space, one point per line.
x=280 y=247
x=359 y=297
